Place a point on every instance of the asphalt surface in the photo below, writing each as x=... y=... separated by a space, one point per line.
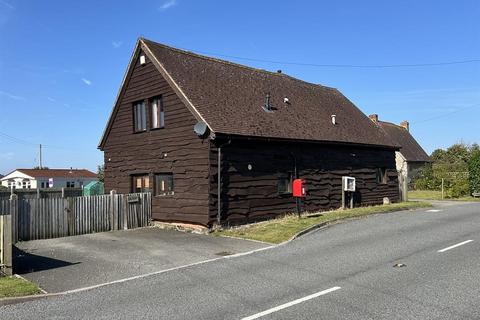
x=74 y=262
x=358 y=256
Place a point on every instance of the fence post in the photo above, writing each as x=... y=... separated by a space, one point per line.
x=6 y=234
x=63 y=192
x=442 y=188
x=14 y=213
x=113 y=214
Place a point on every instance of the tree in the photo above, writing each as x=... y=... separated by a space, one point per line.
x=474 y=171
x=101 y=173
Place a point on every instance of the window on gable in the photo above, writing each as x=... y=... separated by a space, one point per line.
x=157 y=113
x=139 y=116
x=284 y=183
x=141 y=183
x=381 y=175
x=163 y=184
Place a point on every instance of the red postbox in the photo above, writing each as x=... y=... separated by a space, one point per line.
x=299 y=188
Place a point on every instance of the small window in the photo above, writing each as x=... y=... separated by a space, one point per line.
x=284 y=184
x=157 y=113
x=163 y=184
x=70 y=184
x=381 y=175
x=140 y=183
x=139 y=116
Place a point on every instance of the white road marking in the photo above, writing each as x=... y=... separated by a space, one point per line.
x=454 y=246
x=291 y=303
x=433 y=210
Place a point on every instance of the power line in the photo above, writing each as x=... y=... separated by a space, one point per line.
x=379 y=66
x=447 y=114
x=27 y=143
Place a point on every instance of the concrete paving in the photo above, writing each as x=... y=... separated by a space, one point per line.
x=73 y=262
x=287 y=281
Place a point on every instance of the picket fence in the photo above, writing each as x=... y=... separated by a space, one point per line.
x=45 y=218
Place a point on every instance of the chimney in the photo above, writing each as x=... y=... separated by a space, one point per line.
x=405 y=124
x=374 y=117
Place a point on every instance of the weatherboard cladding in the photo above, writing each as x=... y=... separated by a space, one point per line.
x=409 y=147
x=230 y=98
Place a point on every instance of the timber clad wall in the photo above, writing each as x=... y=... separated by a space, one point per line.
x=143 y=153
x=249 y=195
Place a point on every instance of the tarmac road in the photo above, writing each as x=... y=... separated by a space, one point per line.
x=343 y=272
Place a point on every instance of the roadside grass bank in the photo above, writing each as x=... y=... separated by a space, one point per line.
x=284 y=228
x=16 y=287
x=436 y=195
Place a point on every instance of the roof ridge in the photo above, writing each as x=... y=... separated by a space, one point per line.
x=391 y=123
x=235 y=64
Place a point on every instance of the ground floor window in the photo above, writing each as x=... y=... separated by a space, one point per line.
x=284 y=183
x=381 y=175
x=141 y=183
x=163 y=184
x=70 y=184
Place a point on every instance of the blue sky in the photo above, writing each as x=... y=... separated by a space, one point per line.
x=61 y=62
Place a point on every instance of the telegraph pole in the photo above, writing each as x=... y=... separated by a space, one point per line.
x=40 y=156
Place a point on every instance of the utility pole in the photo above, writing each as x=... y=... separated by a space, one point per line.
x=40 y=156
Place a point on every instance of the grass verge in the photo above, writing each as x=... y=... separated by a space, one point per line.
x=16 y=287
x=436 y=195
x=281 y=229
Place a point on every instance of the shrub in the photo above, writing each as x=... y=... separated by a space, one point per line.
x=474 y=172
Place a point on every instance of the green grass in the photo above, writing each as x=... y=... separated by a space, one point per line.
x=16 y=287
x=435 y=195
x=281 y=229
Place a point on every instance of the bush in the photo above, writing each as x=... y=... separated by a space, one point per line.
x=458 y=188
x=474 y=172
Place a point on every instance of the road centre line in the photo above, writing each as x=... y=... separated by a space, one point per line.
x=454 y=246
x=291 y=303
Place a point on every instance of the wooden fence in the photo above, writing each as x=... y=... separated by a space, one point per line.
x=46 y=218
x=41 y=193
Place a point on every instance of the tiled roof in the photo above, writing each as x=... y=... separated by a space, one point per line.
x=230 y=97
x=409 y=147
x=58 y=173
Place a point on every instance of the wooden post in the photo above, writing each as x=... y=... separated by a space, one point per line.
x=113 y=211
x=63 y=192
x=442 y=188
x=125 y=212
x=6 y=234
x=14 y=213
x=343 y=194
x=38 y=193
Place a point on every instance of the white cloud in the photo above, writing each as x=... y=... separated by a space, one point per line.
x=6 y=4
x=87 y=82
x=117 y=44
x=11 y=96
x=167 y=5
x=51 y=99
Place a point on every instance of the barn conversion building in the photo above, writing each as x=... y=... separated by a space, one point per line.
x=219 y=142
x=410 y=158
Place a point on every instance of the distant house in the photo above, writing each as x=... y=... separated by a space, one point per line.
x=47 y=178
x=410 y=158
x=218 y=142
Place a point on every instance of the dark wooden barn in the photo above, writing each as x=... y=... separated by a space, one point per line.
x=182 y=122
